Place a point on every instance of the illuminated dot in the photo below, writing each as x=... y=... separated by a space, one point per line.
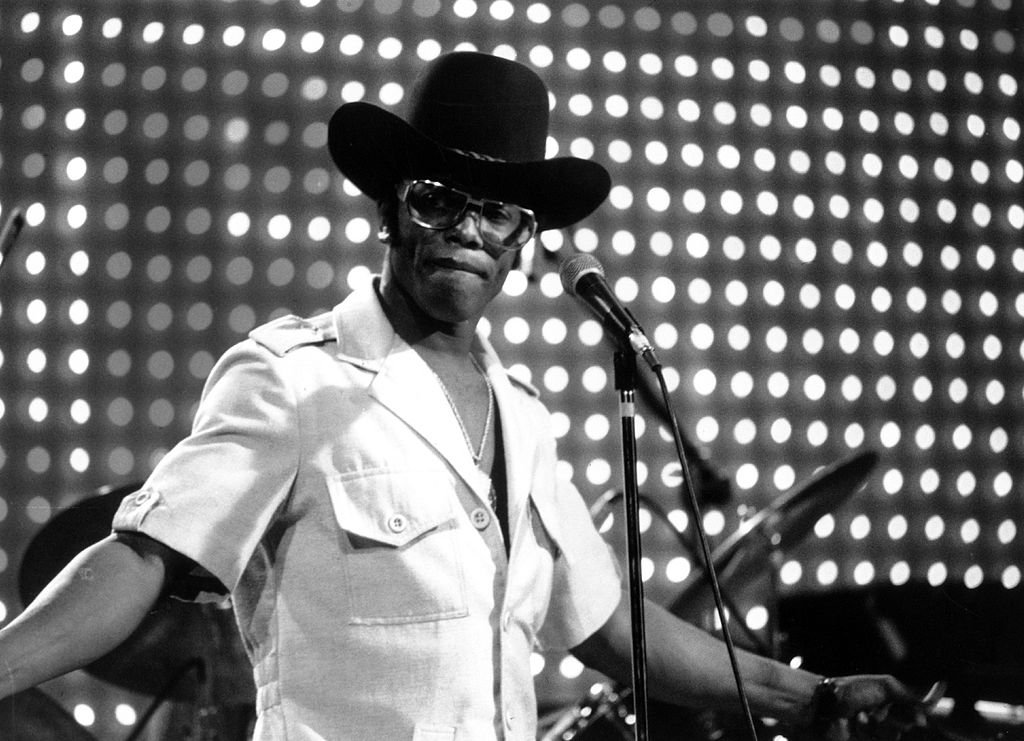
x=570 y=667
x=825 y=526
x=791 y=573
x=937 y=574
x=556 y=379
x=742 y=385
x=79 y=460
x=280 y=272
x=899 y=573
x=596 y=427
x=560 y=426
x=678 y=569
x=516 y=330
x=827 y=573
x=38 y=410
x=241 y=319
x=973 y=577
x=860 y=527
x=704 y=382
x=707 y=429
x=515 y=284
x=38 y=509
x=598 y=472
x=679 y=520
x=357 y=277
x=590 y=333
x=864 y=573
x=84 y=715
x=714 y=522
x=757 y=617
x=646 y=569
x=80 y=411
x=969 y=531
x=125 y=714
x=897 y=527
x=934 y=527
x=239 y=271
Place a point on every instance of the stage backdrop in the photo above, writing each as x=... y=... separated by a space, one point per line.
x=816 y=215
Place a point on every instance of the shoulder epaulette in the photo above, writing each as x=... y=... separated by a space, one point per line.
x=287 y=333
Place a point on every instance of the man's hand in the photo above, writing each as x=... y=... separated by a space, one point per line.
x=877 y=707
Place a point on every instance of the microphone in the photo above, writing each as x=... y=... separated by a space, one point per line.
x=10 y=232
x=582 y=276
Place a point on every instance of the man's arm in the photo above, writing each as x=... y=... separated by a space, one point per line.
x=86 y=611
x=687 y=666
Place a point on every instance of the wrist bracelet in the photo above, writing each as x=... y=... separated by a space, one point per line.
x=825 y=703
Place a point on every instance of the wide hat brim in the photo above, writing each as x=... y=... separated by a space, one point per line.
x=376 y=150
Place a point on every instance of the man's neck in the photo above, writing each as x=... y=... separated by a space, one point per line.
x=422 y=332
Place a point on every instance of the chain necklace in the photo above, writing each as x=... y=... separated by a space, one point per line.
x=479 y=453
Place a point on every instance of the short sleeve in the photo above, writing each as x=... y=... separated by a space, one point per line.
x=214 y=494
x=586 y=584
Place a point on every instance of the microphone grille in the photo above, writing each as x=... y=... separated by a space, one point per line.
x=575 y=268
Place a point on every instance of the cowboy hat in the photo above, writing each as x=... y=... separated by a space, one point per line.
x=475 y=121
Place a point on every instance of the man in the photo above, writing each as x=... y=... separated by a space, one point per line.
x=379 y=496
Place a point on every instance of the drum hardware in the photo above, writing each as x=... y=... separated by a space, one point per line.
x=740 y=561
x=950 y=720
x=602 y=712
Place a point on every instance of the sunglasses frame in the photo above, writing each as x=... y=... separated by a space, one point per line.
x=477 y=203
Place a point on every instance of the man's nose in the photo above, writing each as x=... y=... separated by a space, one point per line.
x=468 y=229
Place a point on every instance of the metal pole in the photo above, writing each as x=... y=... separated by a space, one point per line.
x=625 y=384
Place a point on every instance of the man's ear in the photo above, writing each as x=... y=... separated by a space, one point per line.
x=387 y=214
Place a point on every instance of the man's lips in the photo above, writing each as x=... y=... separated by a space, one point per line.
x=451 y=263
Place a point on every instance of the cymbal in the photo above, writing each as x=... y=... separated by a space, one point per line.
x=177 y=647
x=792 y=515
x=33 y=715
x=782 y=524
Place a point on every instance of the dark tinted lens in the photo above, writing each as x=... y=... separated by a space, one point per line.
x=436 y=205
x=505 y=224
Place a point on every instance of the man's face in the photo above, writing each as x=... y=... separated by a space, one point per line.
x=451 y=274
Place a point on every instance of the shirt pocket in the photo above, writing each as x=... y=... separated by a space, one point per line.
x=402 y=559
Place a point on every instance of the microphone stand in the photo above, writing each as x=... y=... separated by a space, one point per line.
x=625 y=384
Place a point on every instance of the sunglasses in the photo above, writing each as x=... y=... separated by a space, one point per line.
x=436 y=206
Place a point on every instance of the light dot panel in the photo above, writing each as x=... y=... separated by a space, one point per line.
x=816 y=214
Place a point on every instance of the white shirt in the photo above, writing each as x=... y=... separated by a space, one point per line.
x=328 y=486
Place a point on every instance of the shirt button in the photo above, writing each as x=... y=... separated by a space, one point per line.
x=398 y=523
x=509 y=717
x=480 y=518
x=142 y=497
x=506 y=620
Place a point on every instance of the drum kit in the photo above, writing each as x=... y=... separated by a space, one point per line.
x=187 y=656
x=746 y=562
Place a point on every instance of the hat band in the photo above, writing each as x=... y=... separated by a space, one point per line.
x=477 y=155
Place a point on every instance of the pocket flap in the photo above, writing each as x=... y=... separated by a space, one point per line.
x=389 y=507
